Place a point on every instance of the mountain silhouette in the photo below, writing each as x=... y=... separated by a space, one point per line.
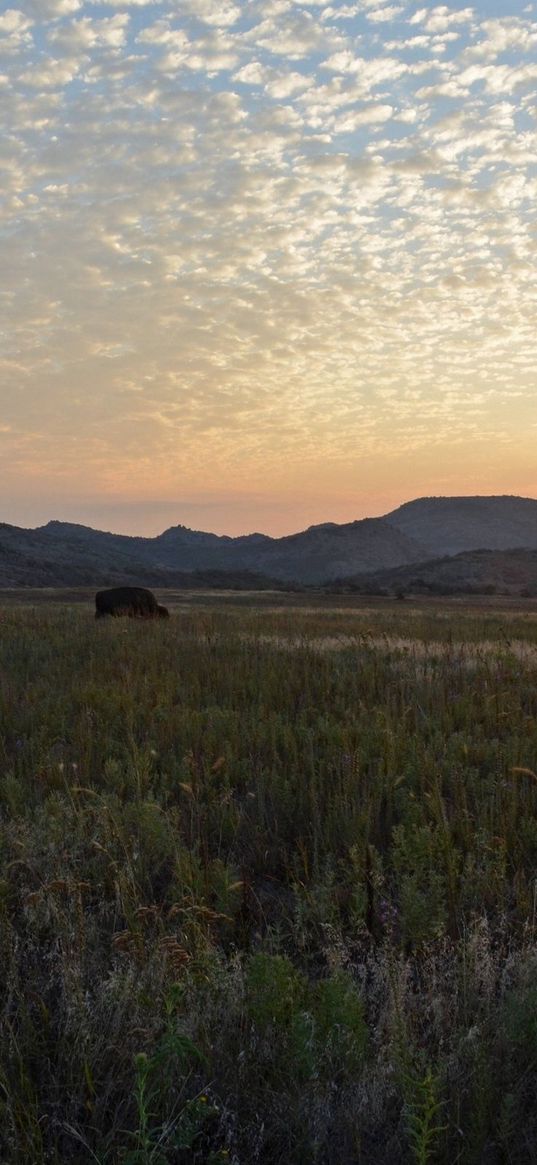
x=67 y=554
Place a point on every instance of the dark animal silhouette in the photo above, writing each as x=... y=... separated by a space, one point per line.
x=136 y=602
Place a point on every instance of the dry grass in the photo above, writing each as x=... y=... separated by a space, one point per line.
x=268 y=905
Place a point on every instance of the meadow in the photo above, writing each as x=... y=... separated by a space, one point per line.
x=268 y=883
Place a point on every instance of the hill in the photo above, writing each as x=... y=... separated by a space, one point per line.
x=479 y=572
x=90 y=558
x=450 y=525
x=313 y=556
x=67 y=554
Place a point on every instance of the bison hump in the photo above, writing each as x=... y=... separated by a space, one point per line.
x=132 y=601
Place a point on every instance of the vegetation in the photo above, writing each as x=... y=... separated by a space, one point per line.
x=268 y=886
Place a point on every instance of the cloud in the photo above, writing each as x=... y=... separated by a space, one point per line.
x=286 y=84
x=13 y=22
x=503 y=36
x=290 y=34
x=220 y=13
x=51 y=74
x=51 y=9
x=441 y=18
x=254 y=73
x=500 y=79
x=383 y=15
x=128 y=3
x=84 y=34
x=260 y=239
x=374 y=114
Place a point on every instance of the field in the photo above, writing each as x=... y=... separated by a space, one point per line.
x=268 y=883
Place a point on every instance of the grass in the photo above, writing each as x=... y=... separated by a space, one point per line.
x=266 y=902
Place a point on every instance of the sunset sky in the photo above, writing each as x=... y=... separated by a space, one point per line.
x=266 y=263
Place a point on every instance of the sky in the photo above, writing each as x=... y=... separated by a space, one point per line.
x=265 y=264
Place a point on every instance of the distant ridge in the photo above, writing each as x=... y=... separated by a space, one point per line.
x=451 y=525
x=472 y=572
x=68 y=554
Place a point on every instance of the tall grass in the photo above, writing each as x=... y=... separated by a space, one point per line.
x=266 y=902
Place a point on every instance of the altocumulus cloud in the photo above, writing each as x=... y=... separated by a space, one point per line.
x=237 y=236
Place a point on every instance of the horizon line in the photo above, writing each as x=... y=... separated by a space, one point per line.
x=272 y=537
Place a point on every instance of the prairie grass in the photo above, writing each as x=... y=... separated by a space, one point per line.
x=268 y=905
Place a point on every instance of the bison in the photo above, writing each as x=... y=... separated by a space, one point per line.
x=136 y=602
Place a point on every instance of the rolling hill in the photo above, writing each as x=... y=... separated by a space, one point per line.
x=478 y=572
x=451 y=525
x=66 y=554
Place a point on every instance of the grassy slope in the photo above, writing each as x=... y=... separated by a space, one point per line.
x=263 y=901
x=509 y=572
